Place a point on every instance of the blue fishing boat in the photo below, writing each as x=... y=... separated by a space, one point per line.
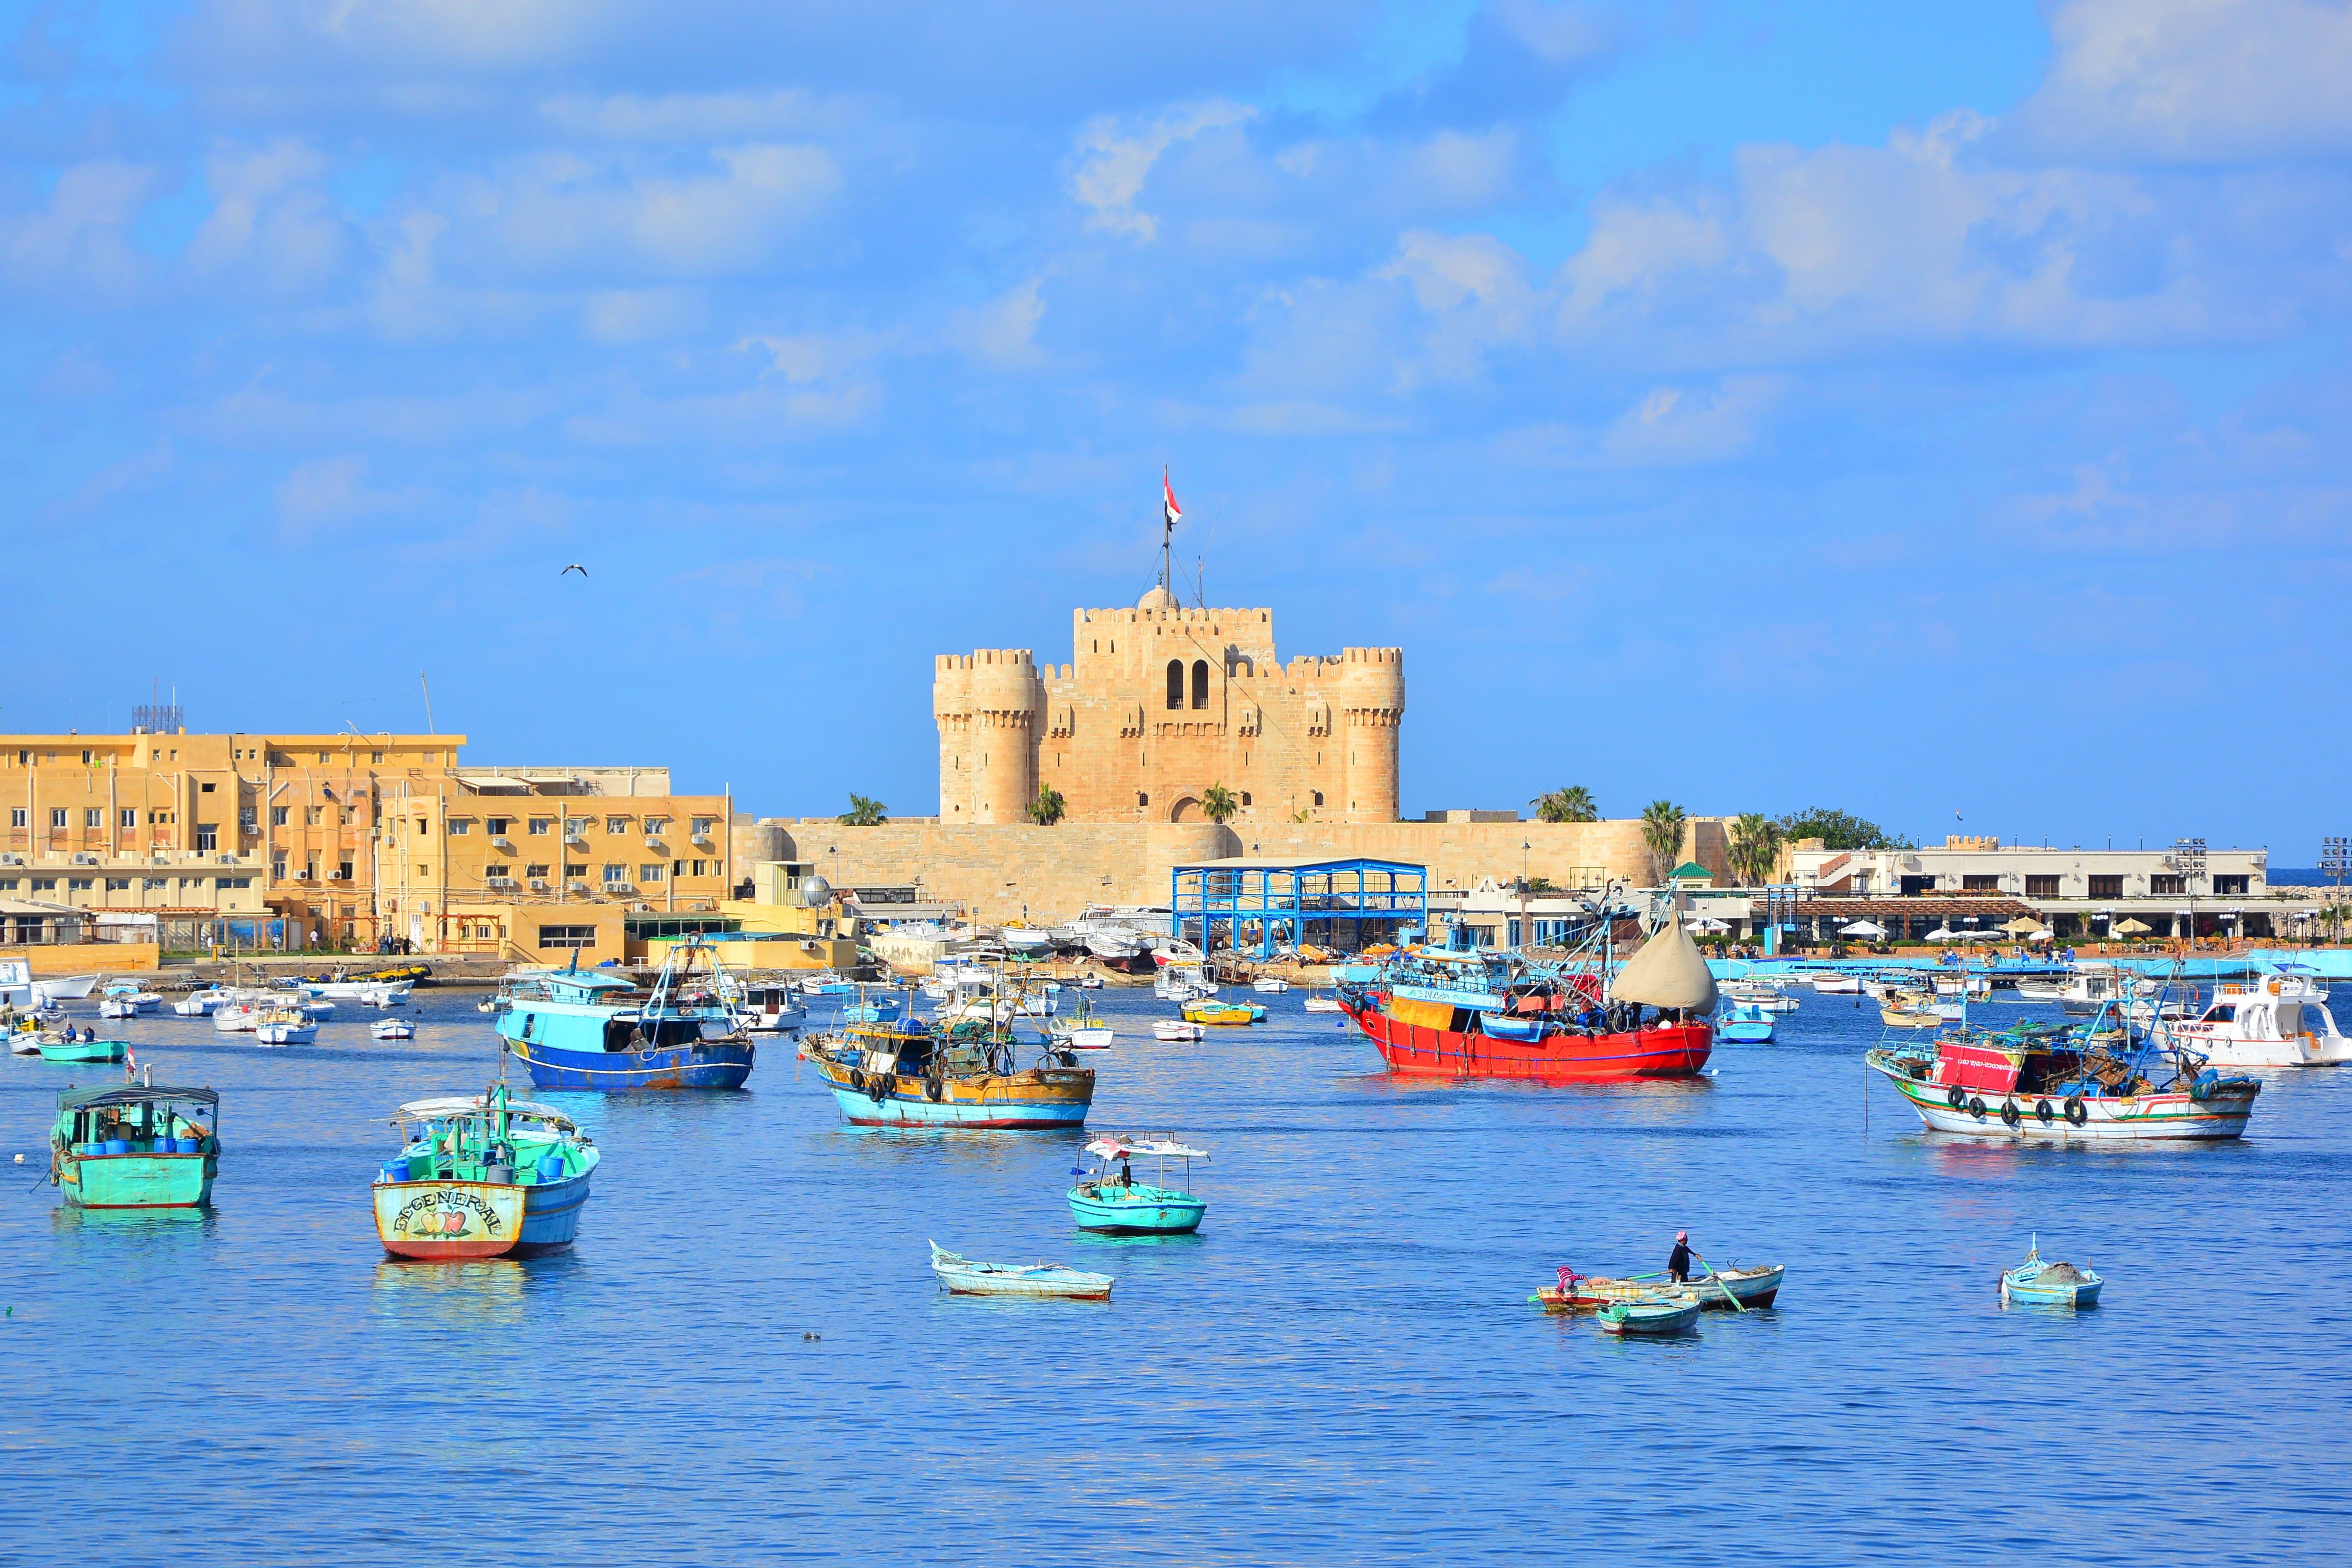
x=908 y=1074
x=2035 y=1283
x=872 y=1010
x=577 y=1028
x=1114 y=1201
x=1745 y=1024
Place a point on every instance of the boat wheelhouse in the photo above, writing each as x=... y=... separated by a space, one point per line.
x=2273 y=1021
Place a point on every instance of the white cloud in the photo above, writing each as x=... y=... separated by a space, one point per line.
x=1111 y=163
x=686 y=117
x=328 y=493
x=83 y=236
x=1671 y=427
x=272 y=219
x=2196 y=81
x=1001 y=332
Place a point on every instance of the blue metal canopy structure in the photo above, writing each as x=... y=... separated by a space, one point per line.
x=1354 y=902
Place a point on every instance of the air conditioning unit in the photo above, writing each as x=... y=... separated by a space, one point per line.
x=82 y=859
x=11 y=859
x=539 y=884
x=703 y=839
x=577 y=887
x=577 y=840
x=653 y=841
x=224 y=860
x=500 y=841
x=500 y=882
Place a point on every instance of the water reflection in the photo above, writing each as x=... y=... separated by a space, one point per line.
x=484 y=1293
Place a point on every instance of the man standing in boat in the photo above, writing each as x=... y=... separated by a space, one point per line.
x=1678 y=1263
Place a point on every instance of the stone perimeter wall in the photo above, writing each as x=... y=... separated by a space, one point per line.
x=1002 y=870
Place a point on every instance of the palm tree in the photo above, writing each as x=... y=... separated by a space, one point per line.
x=1219 y=805
x=1755 y=846
x=864 y=813
x=1571 y=804
x=1049 y=807
x=1662 y=834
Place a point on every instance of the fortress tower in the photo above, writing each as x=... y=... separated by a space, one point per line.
x=1160 y=704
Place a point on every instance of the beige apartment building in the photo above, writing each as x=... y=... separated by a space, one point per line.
x=346 y=841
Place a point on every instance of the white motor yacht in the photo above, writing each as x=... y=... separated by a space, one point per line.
x=2271 y=1021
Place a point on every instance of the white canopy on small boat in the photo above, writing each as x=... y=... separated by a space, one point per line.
x=1862 y=928
x=468 y=1104
x=1667 y=973
x=1117 y=1148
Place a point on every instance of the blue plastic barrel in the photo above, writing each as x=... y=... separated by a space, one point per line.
x=118 y=1145
x=550 y=1168
x=189 y=1145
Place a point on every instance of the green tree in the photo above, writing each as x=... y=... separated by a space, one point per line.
x=1571 y=804
x=1661 y=835
x=1219 y=805
x=1838 y=830
x=864 y=813
x=1755 y=846
x=1049 y=808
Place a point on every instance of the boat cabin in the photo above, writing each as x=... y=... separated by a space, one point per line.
x=2024 y=1062
x=2275 y=1007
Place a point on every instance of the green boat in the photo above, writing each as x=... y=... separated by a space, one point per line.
x=136 y=1147
x=1116 y=1202
x=69 y=1050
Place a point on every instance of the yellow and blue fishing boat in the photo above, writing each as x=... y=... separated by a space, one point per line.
x=1212 y=1011
x=135 y=1147
x=907 y=1074
x=1114 y=1201
x=483 y=1176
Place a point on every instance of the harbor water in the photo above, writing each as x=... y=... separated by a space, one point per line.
x=745 y=1359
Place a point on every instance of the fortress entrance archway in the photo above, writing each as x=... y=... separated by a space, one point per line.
x=1185 y=810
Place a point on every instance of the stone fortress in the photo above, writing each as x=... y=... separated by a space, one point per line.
x=1159 y=704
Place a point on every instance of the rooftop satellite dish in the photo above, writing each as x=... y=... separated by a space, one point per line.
x=815 y=891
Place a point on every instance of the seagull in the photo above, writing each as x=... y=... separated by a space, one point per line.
x=575 y=566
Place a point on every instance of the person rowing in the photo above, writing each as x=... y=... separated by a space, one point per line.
x=1678 y=1263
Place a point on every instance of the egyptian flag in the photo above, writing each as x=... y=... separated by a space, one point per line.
x=1169 y=511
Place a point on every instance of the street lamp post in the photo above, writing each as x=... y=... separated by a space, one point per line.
x=2188 y=858
x=2335 y=863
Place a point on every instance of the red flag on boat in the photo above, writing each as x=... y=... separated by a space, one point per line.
x=1170 y=509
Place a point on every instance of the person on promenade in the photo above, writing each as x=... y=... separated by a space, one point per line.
x=1678 y=1263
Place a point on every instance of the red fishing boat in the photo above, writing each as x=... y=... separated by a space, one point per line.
x=1443 y=1014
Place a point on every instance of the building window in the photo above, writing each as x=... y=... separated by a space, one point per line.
x=77 y=884
x=499 y=825
x=540 y=824
x=424 y=828
x=2230 y=886
x=245 y=823
x=207 y=835
x=45 y=884
x=656 y=825
x=2163 y=887
x=376 y=756
x=567 y=936
x=2106 y=886
x=1319 y=797
x=1914 y=886
x=494 y=871
x=1175 y=683
x=2042 y=887
x=118 y=884
x=277 y=816
x=278 y=868
x=1981 y=884
x=1199 y=683
x=204 y=788
x=703 y=825
x=697 y=869
x=17 y=817
x=1245 y=797
x=93 y=817
x=56 y=816
x=616 y=825
x=651 y=872
x=459 y=826
x=342 y=871
x=312 y=816
x=538 y=872
x=233 y=882
x=157 y=884
x=617 y=873
x=575 y=868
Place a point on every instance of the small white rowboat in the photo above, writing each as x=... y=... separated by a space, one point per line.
x=961 y=1276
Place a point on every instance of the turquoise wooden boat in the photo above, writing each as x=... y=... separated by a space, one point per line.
x=1649 y=1315
x=2035 y=1283
x=72 y=1050
x=483 y=1176
x=135 y=1147
x=1745 y=1024
x=1114 y=1201
x=961 y=1276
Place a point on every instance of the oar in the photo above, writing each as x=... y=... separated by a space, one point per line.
x=1720 y=1284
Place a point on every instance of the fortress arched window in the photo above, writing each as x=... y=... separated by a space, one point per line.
x=1175 y=683
x=1199 y=683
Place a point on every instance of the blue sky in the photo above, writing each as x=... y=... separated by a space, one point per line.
x=1913 y=409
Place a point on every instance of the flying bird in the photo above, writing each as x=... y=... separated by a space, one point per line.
x=575 y=566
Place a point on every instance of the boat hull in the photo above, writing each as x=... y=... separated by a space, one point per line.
x=708 y=1064
x=449 y=1222
x=550 y=1216
x=1140 y=1210
x=85 y=1051
x=2174 y=1116
x=1677 y=1050
x=1647 y=1319
x=146 y=1180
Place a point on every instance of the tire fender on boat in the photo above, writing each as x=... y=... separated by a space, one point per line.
x=933 y=1088
x=2042 y=1111
x=1957 y=1096
x=2010 y=1115
x=1977 y=1106
x=880 y=1084
x=857 y=1078
x=2076 y=1111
